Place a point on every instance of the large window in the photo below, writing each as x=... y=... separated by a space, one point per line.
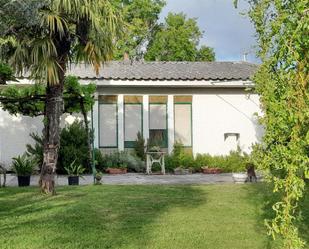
x=108 y=124
x=183 y=123
x=132 y=123
x=158 y=124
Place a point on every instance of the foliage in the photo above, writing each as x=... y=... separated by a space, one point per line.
x=23 y=165
x=122 y=159
x=141 y=18
x=73 y=146
x=30 y=100
x=205 y=54
x=177 y=40
x=99 y=159
x=46 y=32
x=36 y=150
x=74 y=169
x=6 y=73
x=139 y=147
x=236 y=161
x=282 y=28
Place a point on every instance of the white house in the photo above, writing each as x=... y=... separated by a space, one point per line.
x=210 y=107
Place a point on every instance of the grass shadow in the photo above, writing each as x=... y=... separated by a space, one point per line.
x=112 y=216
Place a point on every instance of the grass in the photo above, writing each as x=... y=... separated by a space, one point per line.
x=133 y=217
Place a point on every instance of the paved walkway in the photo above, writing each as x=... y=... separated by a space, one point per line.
x=136 y=179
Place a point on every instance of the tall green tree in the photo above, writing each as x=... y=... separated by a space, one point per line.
x=177 y=40
x=141 y=18
x=282 y=28
x=48 y=35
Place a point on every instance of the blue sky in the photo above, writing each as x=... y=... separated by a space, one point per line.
x=226 y=30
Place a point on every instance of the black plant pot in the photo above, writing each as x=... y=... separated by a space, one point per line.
x=73 y=180
x=23 y=181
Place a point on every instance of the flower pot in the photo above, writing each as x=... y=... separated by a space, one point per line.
x=211 y=170
x=115 y=171
x=23 y=181
x=239 y=177
x=73 y=180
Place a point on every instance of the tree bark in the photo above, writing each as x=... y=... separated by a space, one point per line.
x=54 y=110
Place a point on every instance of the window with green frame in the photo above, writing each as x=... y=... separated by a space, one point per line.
x=158 y=124
x=133 y=123
x=108 y=125
x=183 y=123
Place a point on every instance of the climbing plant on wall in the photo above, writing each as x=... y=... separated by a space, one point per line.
x=282 y=28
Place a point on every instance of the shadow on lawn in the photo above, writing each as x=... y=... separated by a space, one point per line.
x=262 y=196
x=112 y=216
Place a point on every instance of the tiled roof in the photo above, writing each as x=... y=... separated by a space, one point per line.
x=167 y=71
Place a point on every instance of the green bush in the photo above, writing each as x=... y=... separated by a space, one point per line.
x=140 y=147
x=99 y=160
x=234 y=162
x=73 y=147
x=6 y=73
x=122 y=160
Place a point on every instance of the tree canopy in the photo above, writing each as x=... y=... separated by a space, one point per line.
x=178 y=40
x=282 y=81
x=141 y=18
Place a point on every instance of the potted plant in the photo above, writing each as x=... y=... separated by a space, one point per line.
x=23 y=166
x=116 y=164
x=212 y=170
x=74 y=171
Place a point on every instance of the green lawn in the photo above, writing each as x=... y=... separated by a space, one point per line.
x=132 y=217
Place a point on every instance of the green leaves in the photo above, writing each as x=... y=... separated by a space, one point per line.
x=282 y=84
x=177 y=40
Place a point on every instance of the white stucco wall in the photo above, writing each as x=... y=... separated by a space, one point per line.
x=218 y=113
x=14 y=135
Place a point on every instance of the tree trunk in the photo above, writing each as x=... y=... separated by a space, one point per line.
x=54 y=110
x=89 y=157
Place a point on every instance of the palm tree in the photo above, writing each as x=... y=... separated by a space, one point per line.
x=48 y=35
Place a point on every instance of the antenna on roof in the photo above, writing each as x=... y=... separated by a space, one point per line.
x=245 y=56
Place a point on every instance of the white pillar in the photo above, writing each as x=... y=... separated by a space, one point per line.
x=170 y=122
x=145 y=117
x=120 y=123
x=95 y=123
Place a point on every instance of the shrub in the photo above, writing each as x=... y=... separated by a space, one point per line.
x=123 y=159
x=6 y=73
x=140 y=147
x=234 y=162
x=73 y=146
x=99 y=160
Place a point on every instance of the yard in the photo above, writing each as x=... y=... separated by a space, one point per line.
x=132 y=217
